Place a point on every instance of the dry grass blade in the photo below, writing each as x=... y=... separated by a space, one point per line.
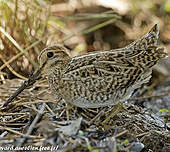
x=98 y=26
x=90 y=16
x=17 y=46
x=11 y=69
x=21 y=53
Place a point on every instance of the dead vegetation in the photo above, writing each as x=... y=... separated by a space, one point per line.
x=35 y=118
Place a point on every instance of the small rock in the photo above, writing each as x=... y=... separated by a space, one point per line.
x=136 y=147
x=168 y=125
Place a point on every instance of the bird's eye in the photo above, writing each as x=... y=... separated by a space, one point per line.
x=50 y=54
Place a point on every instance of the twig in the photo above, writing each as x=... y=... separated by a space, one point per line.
x=5 y=123
x=97 y=116
x=12 y=114
x=121 y=133
x=35 y=102
x=30 y=129
x=16 y=132
x=49 y=109
x=18 y=118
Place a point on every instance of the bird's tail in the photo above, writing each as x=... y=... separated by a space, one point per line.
x=145 y=52
x=149 y=39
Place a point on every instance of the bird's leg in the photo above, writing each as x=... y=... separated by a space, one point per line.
x=114 y=111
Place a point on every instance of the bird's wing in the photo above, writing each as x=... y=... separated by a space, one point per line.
x=102 y=72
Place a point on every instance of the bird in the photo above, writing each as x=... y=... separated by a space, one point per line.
x=101 y=78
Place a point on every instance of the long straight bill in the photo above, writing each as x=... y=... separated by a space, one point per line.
x=26 y=84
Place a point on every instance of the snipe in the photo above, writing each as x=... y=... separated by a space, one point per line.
x=100 y=78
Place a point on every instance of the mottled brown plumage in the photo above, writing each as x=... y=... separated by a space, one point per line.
x=101 y=78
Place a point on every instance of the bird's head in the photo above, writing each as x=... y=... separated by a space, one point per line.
x=53 y=57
